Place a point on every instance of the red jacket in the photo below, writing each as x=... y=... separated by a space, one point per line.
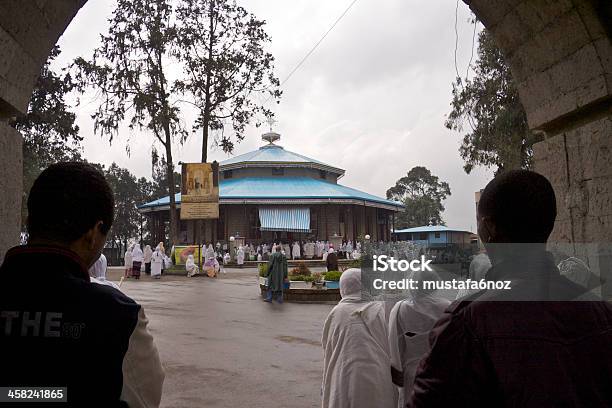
x=529 y=347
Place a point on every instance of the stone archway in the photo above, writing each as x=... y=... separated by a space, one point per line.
x=559 y=51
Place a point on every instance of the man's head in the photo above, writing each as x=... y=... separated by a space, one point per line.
x=518 y=206
x=71 y=205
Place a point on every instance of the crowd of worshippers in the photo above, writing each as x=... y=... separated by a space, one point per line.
x=298 y=250
x=135 y=259
x=545 y=343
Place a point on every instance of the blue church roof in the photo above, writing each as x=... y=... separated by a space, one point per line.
x=290 y=188
x=274 y=154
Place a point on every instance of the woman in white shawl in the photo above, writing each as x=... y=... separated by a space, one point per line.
x=209 y=253
x=127 y=261
x=137 y=259
x=410 y=322
x=240 y=257
x=295 y=251
x=98 y=269
x=356 y=371
x=148 y=254
x=157 y=262
x=191 y=267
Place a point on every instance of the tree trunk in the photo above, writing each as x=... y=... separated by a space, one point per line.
x=205 y=140
x=171 y=188
x=207 y=107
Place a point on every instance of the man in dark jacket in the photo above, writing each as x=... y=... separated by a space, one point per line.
x=59 y=329
x=543 y=343
x=277 y=274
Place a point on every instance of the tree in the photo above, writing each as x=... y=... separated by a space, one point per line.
x=159 y=184
x=130 y=71
x=422 y=194
x=222 y=52
x=49 y=132
x=498 y=134
x=129 y=193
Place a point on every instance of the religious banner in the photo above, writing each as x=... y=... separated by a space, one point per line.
x=200 y=191
x=182 y=252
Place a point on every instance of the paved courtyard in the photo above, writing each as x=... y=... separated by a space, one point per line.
x=222 y=346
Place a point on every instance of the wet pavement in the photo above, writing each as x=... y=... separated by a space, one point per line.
x=222 y=346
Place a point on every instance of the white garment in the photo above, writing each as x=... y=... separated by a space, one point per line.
x=103 y=282
x=240 y=256
x=410 y=322
x=148 y=253
x=157 y=260
x=127 y=258
x=296 y=251
x=98 y=269
x=226 y=258
x=479 y=267
x=356 y=370
x=143 y=374
x=191 y=268
x=210 y=252
x=137 y=255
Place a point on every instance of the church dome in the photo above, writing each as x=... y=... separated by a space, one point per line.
x=272 y=155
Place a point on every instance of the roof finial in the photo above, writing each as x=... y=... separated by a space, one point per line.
x=271 y=122
x=271 y=136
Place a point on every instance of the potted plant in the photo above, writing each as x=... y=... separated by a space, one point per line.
x=299 y=282
x=263 y=273
x=317 y=280
x=332 y=279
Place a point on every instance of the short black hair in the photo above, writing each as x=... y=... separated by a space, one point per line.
x=67 y=200
x=522 y=204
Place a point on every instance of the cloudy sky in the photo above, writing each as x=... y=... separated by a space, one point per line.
x=371 y=99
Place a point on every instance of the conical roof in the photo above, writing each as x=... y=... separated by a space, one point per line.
x=273 y=155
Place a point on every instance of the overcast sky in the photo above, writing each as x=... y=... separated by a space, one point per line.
x=371 y=99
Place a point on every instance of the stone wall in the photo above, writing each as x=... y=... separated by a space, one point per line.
x=28 y=31
x=11 y=187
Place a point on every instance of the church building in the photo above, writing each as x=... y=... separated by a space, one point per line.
x=271 y=194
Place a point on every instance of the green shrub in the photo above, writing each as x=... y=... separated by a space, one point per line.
x=355 y=263
x=263 y=269
x=309 y=279
x=333 y=276
x=297 y=277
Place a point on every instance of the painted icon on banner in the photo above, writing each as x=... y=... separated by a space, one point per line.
x=200 y=191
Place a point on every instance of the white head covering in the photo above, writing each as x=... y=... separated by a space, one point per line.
x=210 y=252
x=350 y=283
x=98 y=269
x=190 y=262
x=137 y=254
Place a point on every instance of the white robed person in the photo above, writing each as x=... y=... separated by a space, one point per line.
x=296 y=251
x=191 y=267
x=127 y=261
x=97 y=272
x=157 y=262
x=410 y=322
x=240 y=257
x=356 y=367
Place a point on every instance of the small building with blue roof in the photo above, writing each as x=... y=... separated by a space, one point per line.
x=272 y=194
x=436 y=236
